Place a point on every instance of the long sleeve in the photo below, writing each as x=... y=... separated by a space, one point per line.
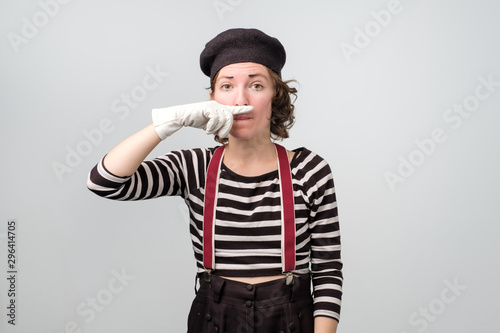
x=165 y=175
x=326 y=263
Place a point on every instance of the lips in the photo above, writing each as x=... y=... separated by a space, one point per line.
x=240 y=118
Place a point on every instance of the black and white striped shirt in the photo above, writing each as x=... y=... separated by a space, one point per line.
x=248 y=217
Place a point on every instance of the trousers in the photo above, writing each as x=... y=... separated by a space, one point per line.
x=226 y=306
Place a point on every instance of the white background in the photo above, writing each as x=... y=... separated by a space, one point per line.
x=405 y=241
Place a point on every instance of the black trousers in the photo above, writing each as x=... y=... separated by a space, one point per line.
x=225 y=306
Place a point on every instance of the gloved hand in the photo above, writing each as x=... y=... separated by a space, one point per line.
x=211 y=116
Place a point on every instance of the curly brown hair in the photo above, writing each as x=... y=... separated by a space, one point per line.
x=282 y=115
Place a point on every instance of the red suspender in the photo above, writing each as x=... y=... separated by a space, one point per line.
x=287 y=210
x=211 y=187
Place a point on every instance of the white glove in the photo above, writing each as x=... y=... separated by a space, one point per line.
x=211 y=116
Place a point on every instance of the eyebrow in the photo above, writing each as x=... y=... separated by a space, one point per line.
x=249 y=75
x=254 y=75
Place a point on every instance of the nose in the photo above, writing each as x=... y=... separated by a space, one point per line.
x=241 y=98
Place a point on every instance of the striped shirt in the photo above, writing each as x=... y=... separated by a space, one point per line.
x=248 y=217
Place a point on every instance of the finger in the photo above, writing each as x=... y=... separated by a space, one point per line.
x=226 y=126
x=211 y=126
x=214 y=122
x=240 y=109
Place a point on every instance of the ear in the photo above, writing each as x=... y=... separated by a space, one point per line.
x=211 y=95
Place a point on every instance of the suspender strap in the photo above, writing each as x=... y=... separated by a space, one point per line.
x=209 y=208
x=287 y=210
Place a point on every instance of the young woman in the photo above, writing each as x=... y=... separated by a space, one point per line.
x=264 y=221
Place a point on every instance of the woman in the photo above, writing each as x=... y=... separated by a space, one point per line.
x=263 y=219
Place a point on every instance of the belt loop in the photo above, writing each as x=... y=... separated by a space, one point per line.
x=217 y=285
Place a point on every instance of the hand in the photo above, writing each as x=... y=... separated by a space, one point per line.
x=211 y=116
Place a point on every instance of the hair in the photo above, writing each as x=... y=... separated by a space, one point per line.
x=282 y=115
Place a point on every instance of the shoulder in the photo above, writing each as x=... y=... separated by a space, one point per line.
x=186 y=160
x=191 y=163
x=310 y=170
x=306 y=159
x=192 y=153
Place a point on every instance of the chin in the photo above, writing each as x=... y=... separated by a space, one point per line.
x=240 y=137
x=249 y=136
x=246 y=133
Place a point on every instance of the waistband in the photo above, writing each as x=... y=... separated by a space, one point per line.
x=273 y=292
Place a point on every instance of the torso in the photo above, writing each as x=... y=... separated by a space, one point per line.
x=261 y=279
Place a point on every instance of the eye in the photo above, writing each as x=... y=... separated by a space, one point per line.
x=257 y=86
x=225 y=86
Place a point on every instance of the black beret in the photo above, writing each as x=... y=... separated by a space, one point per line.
x=242 y=45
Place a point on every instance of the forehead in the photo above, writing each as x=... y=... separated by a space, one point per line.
x=244 y=69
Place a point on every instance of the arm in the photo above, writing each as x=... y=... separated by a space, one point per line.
x=124 y=175
x=326 y=263
x=215 y=118
x=325 y=325
x=126 y=157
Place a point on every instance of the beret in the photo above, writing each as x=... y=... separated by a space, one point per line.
x=242 y=45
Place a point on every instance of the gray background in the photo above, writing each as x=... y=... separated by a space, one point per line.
x=420 y=253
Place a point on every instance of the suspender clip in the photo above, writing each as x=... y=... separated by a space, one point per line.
x=207 y=275
x=289 y=278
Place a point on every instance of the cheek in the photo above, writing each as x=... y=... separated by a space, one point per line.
x=266 y=106
x=222 y=99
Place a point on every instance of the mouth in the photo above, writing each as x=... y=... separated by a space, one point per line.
x=241 y=118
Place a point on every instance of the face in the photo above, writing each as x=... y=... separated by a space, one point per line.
x=246 y=84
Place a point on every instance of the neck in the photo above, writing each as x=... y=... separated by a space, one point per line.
x=250 y=158
x=250 y=149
